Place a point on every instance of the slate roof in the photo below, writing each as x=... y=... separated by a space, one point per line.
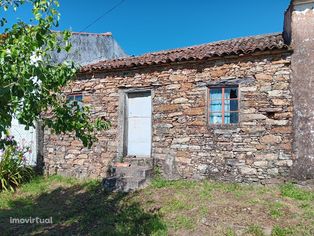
x=238 y=46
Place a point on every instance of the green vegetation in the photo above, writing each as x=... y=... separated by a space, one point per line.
x=76 y=207
x=278 y=231
x=230 y=232
x=291 y=191
x=13 y=171
x=30 y=83
x=276 y=209
x=255 y=230
x=178 y=207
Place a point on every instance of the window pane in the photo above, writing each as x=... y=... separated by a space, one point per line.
x=215 y=93
x=78 y=97
x=215 y=106
x=70 y=98
x=75 y=100
x=231 y=93
x=231 y=117
x=231 y=105
x=227 y=118
x=215 y=118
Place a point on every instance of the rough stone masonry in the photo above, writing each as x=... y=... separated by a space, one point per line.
x=261 y=147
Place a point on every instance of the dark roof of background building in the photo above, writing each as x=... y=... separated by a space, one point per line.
x=90 y=48
x=238 y=46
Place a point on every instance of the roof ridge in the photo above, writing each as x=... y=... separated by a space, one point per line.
x=90 y=33
x=85 y=33
x=211 y=43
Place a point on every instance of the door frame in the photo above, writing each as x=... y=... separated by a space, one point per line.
x=123 y=119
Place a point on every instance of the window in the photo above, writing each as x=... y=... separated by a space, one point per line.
x=223 y=105
x=75 y=99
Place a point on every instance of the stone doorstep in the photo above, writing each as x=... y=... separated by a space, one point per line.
x=124 y=184
x=130 y=183
x=139 y=161
x=135 y=171
x=130 y=175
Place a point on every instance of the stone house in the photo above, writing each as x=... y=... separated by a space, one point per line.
x=237 y=110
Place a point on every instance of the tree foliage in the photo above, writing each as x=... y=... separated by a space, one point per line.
x=30 y=84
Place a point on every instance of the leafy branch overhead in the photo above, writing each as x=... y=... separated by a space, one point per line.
x=30 y=84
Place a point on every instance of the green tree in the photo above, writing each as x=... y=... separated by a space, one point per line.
x=30 y=85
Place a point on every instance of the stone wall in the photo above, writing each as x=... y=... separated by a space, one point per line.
x=257 y=149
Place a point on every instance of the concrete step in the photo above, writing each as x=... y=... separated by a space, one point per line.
x=130 y=183
x=124 y=184
x=134 y=171
x=132 y=174
x=139 y=161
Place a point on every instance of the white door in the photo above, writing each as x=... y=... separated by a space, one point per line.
x=139 y=118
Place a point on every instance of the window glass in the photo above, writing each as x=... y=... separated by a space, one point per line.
x=234 y=117
x=223 y=105
x=216 y=118
x=231 y=93
x=75 y=100
x=79 y=98
x=216 y=105
x=216 y=93
x=231 y=105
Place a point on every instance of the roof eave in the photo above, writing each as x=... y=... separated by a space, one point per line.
x=284 y=49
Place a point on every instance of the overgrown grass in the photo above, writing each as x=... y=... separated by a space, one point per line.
x=178 y=207
x=76 y=207
x=291 y=191
x=175 y=184
x=279 y=231
x=276 y=209
x=182 y=222
x=255 y=230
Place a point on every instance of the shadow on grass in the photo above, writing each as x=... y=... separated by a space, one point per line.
x=81 y=209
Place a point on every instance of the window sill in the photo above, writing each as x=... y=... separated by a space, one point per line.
x=223 y=126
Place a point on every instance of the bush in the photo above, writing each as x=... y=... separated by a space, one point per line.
x=13 y=168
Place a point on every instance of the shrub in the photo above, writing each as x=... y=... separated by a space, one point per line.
x=13 y=168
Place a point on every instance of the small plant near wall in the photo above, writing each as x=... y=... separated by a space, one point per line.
x=120 y=162
x=121 y=158
x=13 y=165
x=157 y=172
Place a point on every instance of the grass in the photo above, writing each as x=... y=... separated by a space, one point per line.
x=255 y=230
x=182 y=222
x=278 y=231
x=230 y=232
x=276 y=210
x=179 y=207
x=291 y=191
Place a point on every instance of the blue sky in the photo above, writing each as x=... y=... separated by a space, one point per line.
x=142 y=26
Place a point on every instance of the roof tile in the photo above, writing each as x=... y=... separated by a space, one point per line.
x=236 y=46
